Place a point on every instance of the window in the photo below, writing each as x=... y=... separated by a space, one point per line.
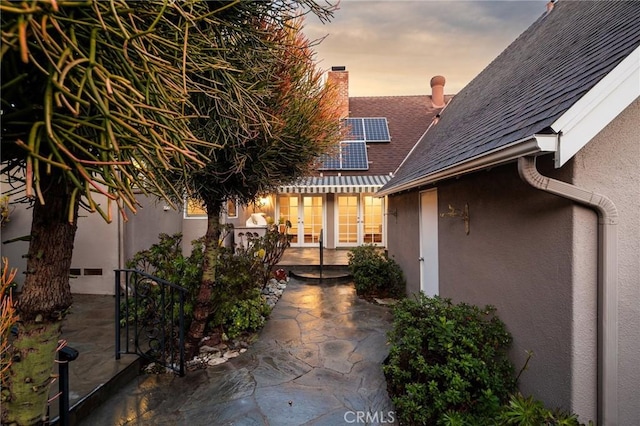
x=194 y=209
x=232 y=208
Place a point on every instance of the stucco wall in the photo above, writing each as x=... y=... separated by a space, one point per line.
x=403 y=236
x=610 y=165
x=96 y=249
x=517 y=257
x=151 y=219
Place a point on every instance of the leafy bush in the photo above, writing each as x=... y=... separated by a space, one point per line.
x=266 y=250
x=374 y=274
x=165 y=260
x=447 y=363
x=247 y=315
x=238 y=304
x=238 y=280
x=527 y=411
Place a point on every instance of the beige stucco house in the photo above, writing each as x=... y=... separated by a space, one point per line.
x=526 y=195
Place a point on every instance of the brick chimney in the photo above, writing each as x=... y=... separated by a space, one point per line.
x=437 y=91
x=339 y=77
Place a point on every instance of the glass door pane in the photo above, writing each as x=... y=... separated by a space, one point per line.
x=289 y=211
x=372 y=219
x=347 y=219
x=311 y=218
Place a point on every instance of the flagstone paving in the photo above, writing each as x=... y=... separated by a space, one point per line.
x=318 y=361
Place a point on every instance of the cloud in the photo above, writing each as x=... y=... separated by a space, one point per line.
x=395 y=47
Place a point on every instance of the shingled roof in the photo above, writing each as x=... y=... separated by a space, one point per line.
x=542 y=74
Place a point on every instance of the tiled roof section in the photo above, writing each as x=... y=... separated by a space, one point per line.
x=408 y=118
x=529 y=85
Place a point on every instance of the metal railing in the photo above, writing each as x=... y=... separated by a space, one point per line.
x=150 y=318
x=320 y=241
x=65 y=356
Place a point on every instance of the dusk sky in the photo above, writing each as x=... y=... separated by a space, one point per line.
x=394 y=47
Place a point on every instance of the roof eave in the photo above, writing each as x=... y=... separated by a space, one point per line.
x=597 y=108
x=532 y=145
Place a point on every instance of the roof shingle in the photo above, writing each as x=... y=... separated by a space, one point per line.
x=529 y=85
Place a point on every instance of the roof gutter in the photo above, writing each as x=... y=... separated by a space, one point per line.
x=607 y=280
x=531 y=145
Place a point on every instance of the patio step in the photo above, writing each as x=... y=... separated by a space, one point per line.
x=328 y=273
x=129 y=367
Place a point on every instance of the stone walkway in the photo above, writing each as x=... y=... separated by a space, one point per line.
x=317 y=362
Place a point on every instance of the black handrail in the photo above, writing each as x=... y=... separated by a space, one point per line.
x=320 y=240
x=148 y=305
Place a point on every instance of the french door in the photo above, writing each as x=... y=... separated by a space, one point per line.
x=306 y=213
x=359 y=220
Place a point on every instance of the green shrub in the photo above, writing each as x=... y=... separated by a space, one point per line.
x=374 y=274
x=528 y=411
x=237 y=303
x=237 y=280
x=267 y=250
x=247 y=315
x=165 y=260
x=447 y=363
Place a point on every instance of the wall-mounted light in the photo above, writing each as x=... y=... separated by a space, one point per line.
x=393 y=213
x=463 y=214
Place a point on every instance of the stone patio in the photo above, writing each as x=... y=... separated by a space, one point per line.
x=318 y=361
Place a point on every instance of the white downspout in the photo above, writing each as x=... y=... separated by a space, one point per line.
x=607 y=281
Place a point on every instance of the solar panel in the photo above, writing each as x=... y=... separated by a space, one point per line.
x=367 y=129
x=352 y=155
x=376 y=130
x=355 y=129
x=329 y=162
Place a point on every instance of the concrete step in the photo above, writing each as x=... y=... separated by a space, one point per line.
x=130 y=368
x=328 y=273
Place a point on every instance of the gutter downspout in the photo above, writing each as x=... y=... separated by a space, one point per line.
x=607 y=281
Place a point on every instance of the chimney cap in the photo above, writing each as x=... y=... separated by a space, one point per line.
x=550 y=5
x=339 y=68
x=437 y=80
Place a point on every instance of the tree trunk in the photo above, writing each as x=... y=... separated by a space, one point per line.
x=203 y=304
x=45 y=299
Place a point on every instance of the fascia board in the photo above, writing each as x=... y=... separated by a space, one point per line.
x=597 y=108
x=532 y=145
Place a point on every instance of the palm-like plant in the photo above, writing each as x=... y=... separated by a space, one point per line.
x=299 y=122
x=98 y=100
